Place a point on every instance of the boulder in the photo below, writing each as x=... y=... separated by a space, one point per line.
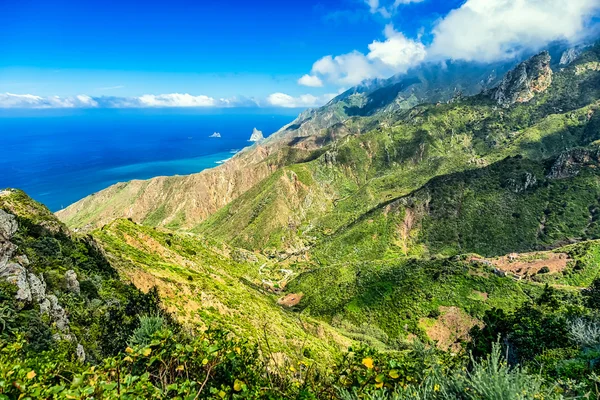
x=17 y=275
x=37 y=286
x=80 y=352
x=7 y=250
x=71 y=281
x=8 y=226
x=58 y=314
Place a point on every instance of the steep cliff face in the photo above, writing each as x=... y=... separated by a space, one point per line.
x=522 y=83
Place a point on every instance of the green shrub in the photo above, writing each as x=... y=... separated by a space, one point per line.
x=149 y=326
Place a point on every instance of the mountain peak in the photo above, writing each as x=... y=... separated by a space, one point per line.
x=523 y=82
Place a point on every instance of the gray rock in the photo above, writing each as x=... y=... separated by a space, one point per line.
x=17 y=275
x=72 y=282
x=7 y=250
x=22 y=259
x=569 y=164
x=522 y=83
x=570 y=55
x=256 y=136
x=58 y=314
x=80 y=351
x=8 y=226
x=45 y=306
x=37 y=287
x=63 y=336
x=330 y=158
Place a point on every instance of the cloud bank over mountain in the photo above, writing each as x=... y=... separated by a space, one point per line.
x=479 y=31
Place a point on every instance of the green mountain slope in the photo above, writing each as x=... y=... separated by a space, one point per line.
x=208 y=284
x=58 y=289
x=183 y=202
x=376 y=222
x=301 y=204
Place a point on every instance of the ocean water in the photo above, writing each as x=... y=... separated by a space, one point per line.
x=61 y=156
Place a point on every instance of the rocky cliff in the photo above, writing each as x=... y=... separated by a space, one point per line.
x=521 y=84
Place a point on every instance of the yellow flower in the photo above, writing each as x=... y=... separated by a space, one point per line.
x=179 y=368
x=146 y=352
x=237 y=385
x=31 y=374
x=129 y=359
x=205 y=361
x=222 y=394
x=436 y=388
x=379 y=385
x=368 y=362
x=128 y=350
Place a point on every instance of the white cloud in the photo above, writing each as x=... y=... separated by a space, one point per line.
x=387 y=11
x=306 y=100
x=346 y=69
x=479 y=30
x=398 y=3
x=489 y=30
x=374 y=8
x=394 y=55
x=177 y=100
x=10 y=100
x=310 y=81
x=397 y=51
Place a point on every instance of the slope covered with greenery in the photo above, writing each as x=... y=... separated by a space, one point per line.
x=409 y=251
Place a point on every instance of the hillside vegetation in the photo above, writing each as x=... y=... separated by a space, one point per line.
x=406 y=241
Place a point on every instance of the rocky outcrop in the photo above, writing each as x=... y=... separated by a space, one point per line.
x=256 y=136
x=71 y=281
x=570 y=55
x=8 y=226
x=570 y=163
x=593 y=66
x=522 y=183
x=31 y=288
x=522 y=83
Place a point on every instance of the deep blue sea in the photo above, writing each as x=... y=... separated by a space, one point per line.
x=61 y=156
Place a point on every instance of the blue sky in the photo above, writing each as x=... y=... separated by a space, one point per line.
x=284 y=53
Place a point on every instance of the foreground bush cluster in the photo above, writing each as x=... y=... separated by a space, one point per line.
x=547 y=349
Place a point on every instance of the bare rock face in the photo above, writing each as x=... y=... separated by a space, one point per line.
x=58 y=314
x=72 y=282
x=521 y=183
x=8 y=226
x=31 y=288
x=37 y=286
x=570 y=55
x=568 y=164
x=256 y=136
x=80 y=352
x=522 y=83
x=17 y=275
